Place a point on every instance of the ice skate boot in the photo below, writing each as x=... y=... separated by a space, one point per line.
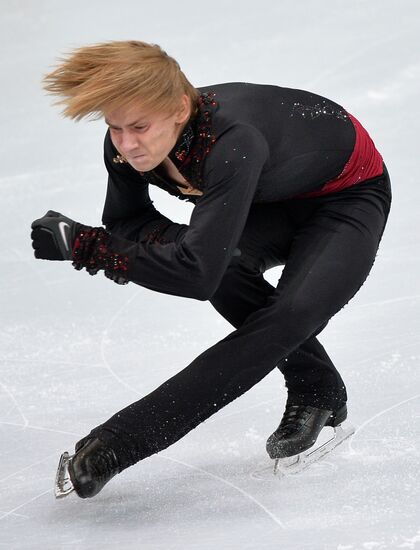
x=87 y=471
x=299 y=430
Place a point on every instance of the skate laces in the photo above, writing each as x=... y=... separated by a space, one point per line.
x=105 y=463
x=293 y=418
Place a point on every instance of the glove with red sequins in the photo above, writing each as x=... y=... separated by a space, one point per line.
x=56 y=237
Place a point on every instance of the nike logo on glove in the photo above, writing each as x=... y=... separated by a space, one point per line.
x=61 y=227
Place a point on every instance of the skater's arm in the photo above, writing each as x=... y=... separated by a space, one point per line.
x=194 y=265
x=128 y=210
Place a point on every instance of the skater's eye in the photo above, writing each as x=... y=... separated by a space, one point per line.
x=137 y=128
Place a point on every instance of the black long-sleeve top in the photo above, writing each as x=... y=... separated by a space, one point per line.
x=248 y=143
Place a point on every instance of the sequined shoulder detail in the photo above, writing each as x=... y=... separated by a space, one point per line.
x=196 y=141
x=184 y=145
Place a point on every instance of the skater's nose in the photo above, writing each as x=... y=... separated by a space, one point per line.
x=128 y=142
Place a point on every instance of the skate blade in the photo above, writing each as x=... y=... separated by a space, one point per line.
x=298 y=463
x=63 y=484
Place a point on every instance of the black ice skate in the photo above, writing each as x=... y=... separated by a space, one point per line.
x=290 y=445
x=87 y=471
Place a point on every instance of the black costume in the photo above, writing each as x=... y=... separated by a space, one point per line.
x=263 y=157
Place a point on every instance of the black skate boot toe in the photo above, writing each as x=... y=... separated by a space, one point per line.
x=298 y=430
x=93 y=465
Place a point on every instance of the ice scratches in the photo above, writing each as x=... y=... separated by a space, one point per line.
x=41 y=428
x=12 y=512
x=377 y=415
x=244 y=493
x=3 y=479
x=319 y=109
x=104 y=335
x=16 y=405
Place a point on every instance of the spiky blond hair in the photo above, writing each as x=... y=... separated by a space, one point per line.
x=98 y=78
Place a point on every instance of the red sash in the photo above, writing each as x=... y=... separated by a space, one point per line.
x=364 y=163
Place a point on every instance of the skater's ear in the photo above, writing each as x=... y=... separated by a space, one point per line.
x=184 y=110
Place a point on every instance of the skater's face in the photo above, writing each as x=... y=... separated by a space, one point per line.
x=144 y=138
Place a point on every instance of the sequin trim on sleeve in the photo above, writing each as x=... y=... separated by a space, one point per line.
x=90 y=251
x=156 y=237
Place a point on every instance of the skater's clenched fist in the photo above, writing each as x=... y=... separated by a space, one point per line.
x=53 y=236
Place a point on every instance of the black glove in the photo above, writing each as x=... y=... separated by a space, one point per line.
x=56 y=237
x=53 y=236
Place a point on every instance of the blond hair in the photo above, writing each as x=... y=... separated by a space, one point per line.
x=98 y=78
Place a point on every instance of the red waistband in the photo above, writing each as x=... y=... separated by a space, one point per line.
x=364 y=163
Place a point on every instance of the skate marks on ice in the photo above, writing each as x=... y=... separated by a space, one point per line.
x=15 y=405
x=22 y=427
x=246 y=494
x=12 y=512
x=221 y=479
x=378 y=415
x=124 y=309
x=25 y=489
x=64 y=487
x=104 y=336
x=28 y=467
x=7 y=487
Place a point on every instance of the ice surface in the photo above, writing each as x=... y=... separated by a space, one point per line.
x=76 y=348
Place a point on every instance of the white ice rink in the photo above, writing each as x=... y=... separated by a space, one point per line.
x=75 y=349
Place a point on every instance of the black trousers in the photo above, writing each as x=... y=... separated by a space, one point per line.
x=327 y=245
